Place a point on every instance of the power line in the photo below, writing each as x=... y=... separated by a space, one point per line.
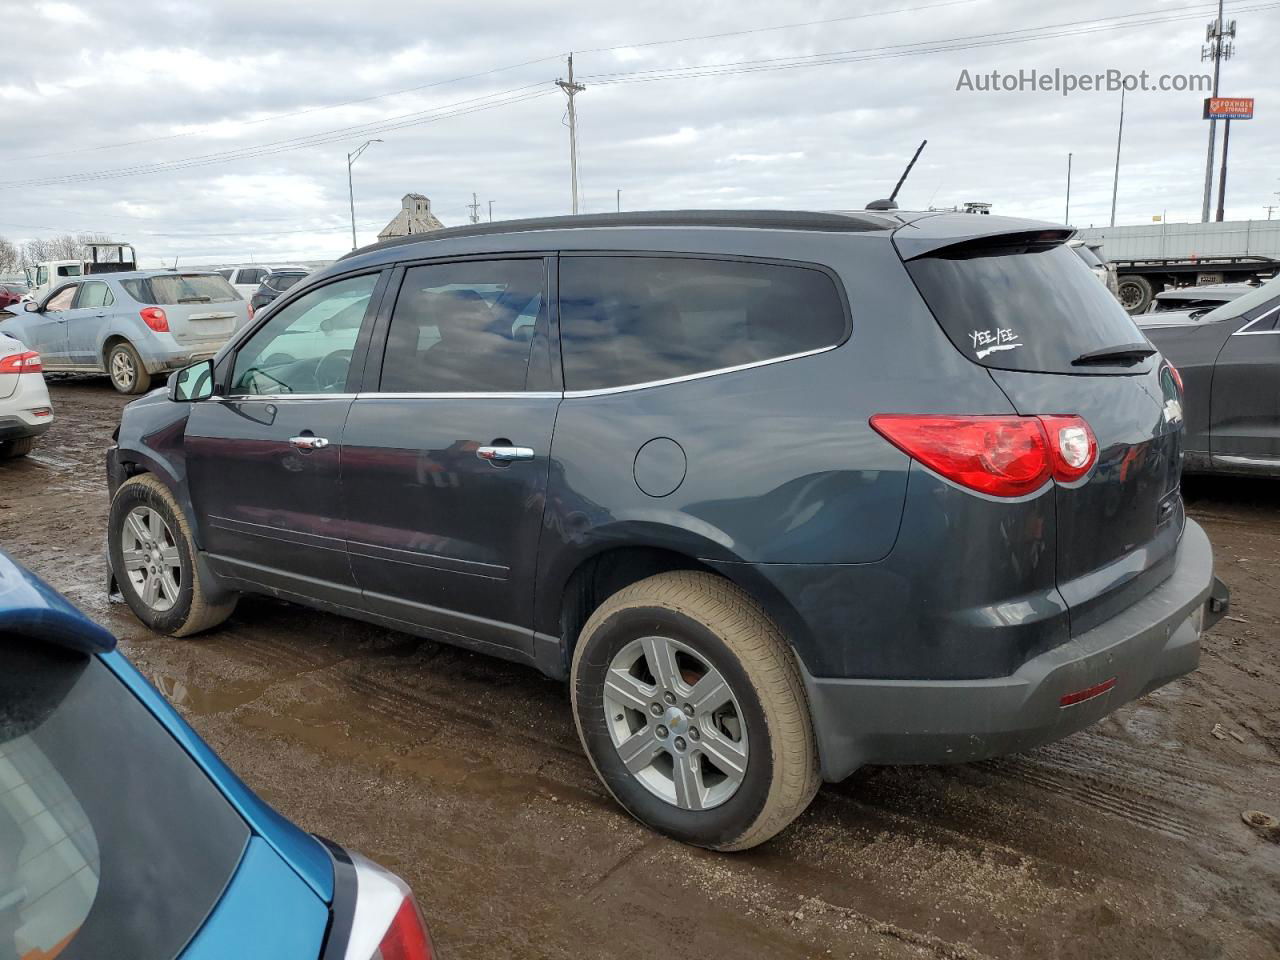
x=860 y=54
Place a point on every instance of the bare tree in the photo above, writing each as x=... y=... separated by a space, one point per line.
x=66 y=246
x=9 y=256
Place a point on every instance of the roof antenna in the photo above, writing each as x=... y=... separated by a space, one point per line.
x=890 y=204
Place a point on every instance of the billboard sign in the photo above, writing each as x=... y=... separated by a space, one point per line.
x=1228 y=108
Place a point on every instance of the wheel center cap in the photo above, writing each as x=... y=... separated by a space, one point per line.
x=675 y=720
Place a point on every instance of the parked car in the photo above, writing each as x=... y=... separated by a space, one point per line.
x=123 y=835
x=1203 y=298
x=245 y=279
x=274 y=284
x=25 y=410
x=1092 y=256
x=1229 y=360
x=130 y=326
x=11 y=293
x=780 y=494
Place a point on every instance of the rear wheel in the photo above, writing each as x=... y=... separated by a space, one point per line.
x=1135 y=294
x=12 y=449
x=125 y=368
x=153 y=559
x=689 y=704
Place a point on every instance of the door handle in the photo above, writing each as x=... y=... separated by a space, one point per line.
x=504 y=454
x=309 y=443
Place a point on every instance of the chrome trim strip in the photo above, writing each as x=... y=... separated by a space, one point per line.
x=479 y=395
x=277 y=397
x=605 y=391
x=1268 y=462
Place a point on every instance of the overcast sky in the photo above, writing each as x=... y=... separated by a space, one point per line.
x=99 y=91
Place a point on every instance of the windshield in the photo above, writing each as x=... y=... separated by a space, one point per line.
x=113 y=842
x=170 y=289
x=1017 y=305
x=1260 y=297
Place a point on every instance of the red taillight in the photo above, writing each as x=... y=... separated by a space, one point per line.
x=1004 y=456
x=1072 y=447
x=26 y=362
x=406 y=938
x=1177 y=378
x=155 y=318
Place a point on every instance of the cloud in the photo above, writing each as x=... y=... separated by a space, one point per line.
x=236 y=98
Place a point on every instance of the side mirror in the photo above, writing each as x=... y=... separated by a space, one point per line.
x=31 y=306
x=192 y=382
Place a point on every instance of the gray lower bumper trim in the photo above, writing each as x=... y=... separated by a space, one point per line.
x=942 y=721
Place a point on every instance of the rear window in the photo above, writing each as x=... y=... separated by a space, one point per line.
x=280 y=282
x=632 y=320
x=113 y=843
x=1022 y=305
x=178 y=288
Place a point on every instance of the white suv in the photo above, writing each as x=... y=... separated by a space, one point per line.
x=25 y=410
x=245 y=279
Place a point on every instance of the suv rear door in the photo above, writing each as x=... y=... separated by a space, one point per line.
x=264 y=456
x=446 y=451
x=1245 y=403
x=202 y=309
x=1028 y=310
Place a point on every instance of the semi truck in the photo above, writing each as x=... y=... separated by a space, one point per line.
x=1155 y=257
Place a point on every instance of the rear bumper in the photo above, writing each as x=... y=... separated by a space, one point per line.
x=17 y=426
x=166 y=361
x=1154 y=641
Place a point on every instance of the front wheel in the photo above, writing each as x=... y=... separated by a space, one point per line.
x=689 y=703
x=125 y=368
x=152 y=557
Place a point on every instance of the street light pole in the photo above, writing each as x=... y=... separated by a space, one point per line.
x=351 y=193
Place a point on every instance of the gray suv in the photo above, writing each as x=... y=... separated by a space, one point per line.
x=779 y=494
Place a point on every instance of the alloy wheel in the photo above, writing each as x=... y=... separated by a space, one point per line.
x=676 y=723
x=122 y=371
x=151 y=558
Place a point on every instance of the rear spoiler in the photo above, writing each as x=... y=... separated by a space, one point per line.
x=930 y=236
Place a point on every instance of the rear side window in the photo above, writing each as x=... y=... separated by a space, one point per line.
x=1021 y=305
x=113 y=842
x=631 y=320
x=178 y=288
x=464 y=327
x=253 y=275
x=281 y=282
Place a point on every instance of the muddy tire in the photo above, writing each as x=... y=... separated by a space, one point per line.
x=150 y=548
x=689 y=704
x=12 y=449
x=1135 y=294
x=125 y=369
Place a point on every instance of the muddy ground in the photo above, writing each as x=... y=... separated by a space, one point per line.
x=464 y=774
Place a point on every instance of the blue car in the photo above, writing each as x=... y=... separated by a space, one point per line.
x=122 y=835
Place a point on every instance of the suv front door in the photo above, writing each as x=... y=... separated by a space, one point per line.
x=446 y=450
x=47 y=328
x=264 y=457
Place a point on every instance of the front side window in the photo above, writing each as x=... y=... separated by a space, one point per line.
x=94 y=294
x=630 y=320
x=225 y=274
x=42 y=276
x=61 y=300
x=464 y=327
x=306 y=347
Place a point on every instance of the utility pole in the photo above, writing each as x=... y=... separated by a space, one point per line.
x=474 y=207
x=619 y=208
x=1222 y=178
x=1115 y=183
x=351 y=193
x=1268 y=207
x=1066 y=217
x=571 y=90
x=491 y=211
x=1216 y=50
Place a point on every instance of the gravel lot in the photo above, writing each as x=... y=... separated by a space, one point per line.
x=464 y=774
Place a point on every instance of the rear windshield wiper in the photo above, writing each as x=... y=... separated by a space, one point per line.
x=1125 y=354
x=195 y=299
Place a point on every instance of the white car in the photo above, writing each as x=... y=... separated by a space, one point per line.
x=245 y=279
x=25 y=410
